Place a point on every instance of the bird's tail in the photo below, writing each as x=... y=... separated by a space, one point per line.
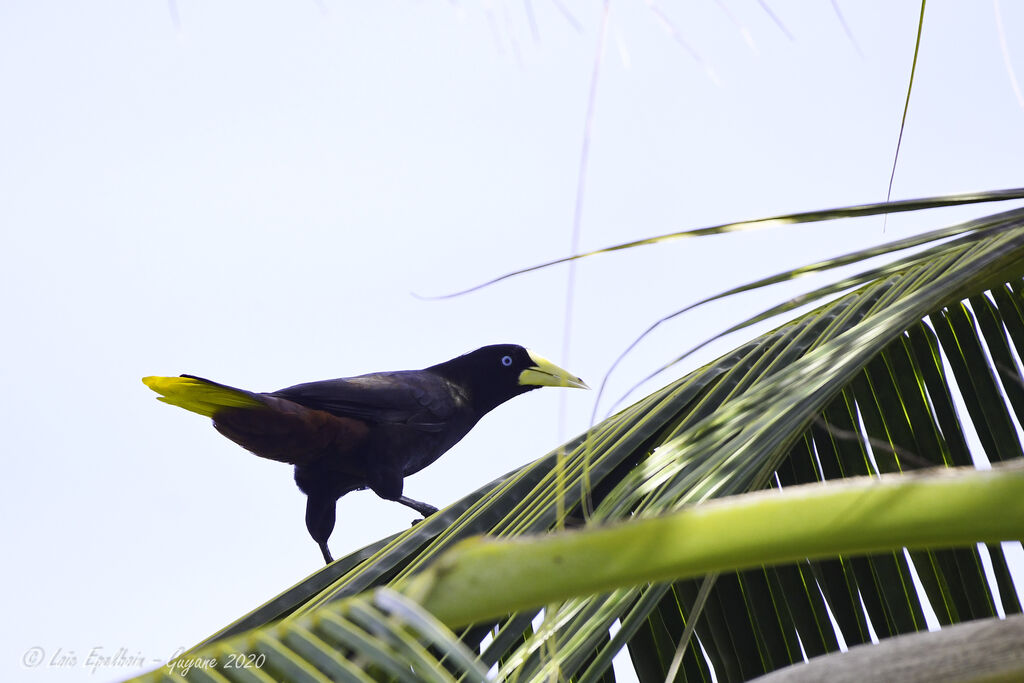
x=200 y=395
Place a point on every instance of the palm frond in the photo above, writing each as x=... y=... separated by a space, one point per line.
x=871 y=382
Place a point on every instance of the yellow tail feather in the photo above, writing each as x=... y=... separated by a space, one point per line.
x=199 y=396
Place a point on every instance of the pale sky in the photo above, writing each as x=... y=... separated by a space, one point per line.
x=253 y=193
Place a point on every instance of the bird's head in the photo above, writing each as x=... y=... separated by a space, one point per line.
x=494 y=374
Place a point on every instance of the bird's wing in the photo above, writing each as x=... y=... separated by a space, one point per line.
x=414 y=398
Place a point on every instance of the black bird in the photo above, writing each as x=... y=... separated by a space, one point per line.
x=369 y=431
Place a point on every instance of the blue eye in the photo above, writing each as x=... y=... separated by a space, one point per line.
x=506 y=361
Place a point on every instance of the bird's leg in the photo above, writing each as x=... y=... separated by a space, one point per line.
x=422 y=508
x=387 y=483
x=320 y=521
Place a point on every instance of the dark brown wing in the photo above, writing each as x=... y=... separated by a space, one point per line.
x=414 y=398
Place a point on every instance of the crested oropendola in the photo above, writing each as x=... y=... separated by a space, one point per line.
x=369 y=431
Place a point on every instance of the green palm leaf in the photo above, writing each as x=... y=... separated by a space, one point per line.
x=862 y=385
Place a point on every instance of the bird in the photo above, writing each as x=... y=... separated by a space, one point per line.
x=369 y=431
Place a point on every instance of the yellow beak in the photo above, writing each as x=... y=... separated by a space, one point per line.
x=544 y=373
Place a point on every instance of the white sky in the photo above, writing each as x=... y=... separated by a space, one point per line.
x=253 y=195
